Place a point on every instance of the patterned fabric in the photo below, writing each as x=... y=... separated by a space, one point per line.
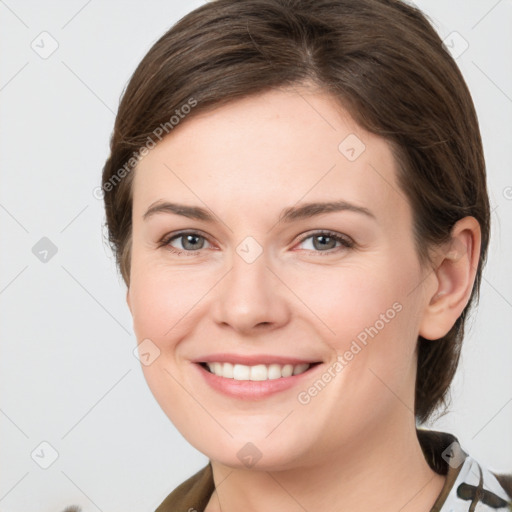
x=476 y=488
x=469 y=486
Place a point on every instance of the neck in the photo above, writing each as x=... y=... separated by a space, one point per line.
x=385 y=473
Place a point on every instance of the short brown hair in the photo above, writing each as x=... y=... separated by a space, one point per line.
x=387 y=66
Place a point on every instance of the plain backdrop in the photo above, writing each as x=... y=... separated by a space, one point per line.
x=73 y=397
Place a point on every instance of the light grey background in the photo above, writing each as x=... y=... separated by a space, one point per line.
x=68 y=373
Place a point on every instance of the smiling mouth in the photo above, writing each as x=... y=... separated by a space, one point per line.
x=259 y=372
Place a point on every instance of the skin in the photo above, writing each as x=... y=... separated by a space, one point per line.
x=245 y=162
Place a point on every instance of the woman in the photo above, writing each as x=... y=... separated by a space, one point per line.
x=296 y=197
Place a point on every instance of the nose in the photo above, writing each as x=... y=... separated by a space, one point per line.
x=251 y=297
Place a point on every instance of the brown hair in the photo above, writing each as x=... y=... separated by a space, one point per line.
x=387 y=66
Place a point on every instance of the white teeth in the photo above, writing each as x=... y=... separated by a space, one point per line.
x=241 y=372
x=274 y=371
x=300 y=368
x=258 y=372
x=287 y=370
x=225 y=369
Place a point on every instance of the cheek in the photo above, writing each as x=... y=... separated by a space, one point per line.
x=350 y=299
x=372 y=319
x=163 y=305
x=381 y=333
x=162 y=300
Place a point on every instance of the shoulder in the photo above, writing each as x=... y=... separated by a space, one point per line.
x=193 y=494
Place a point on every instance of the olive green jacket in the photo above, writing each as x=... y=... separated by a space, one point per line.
x=469 y=486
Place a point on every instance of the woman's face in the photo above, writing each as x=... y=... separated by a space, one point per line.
x=244 y=275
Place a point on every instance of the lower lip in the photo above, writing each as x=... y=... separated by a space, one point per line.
x=252 y=389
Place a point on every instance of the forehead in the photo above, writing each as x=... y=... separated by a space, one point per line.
x=269 y=151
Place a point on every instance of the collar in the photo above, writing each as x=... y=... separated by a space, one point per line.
x=468 y=487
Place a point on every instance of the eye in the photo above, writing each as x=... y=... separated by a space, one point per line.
x=188 y=243
x=191 y=243
x=325 y=242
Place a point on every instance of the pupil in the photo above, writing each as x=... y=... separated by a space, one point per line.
x=325 y=240
x=189 y=240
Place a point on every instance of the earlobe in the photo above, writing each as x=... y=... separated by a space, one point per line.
x=455 y=273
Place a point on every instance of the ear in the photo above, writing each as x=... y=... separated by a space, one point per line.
x=454 y=274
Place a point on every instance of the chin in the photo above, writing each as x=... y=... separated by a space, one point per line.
x=263 y=455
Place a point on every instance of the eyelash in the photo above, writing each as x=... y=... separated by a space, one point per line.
x=346 y=242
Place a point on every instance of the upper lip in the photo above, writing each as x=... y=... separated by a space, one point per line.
x=252 y=360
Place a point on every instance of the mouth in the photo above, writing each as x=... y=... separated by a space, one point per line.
x=258 y=372
x=254 y=382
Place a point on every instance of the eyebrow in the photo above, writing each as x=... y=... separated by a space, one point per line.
x=290 y=214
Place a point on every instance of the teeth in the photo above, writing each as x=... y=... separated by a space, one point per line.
x=241 y=372
x=274 y=371
x=257 y=372
x=225 y=369
x=300 y=368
